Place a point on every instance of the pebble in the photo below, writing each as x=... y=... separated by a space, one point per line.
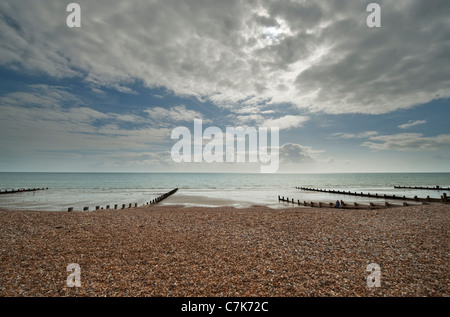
x=176 y=251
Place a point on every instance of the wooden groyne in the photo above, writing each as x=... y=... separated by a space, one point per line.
x=341 y=205
x=164 y=196
x=443 y=198
x=20 y=190
x=132 y=205
x=422 y=188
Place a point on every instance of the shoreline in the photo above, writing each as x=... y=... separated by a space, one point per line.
x=170 y=251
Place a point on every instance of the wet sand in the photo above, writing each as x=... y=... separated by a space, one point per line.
x=174 y=251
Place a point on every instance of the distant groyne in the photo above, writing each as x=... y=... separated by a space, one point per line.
x=131 y=205
x=20 y=190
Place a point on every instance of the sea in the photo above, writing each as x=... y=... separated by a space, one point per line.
x=79 y=190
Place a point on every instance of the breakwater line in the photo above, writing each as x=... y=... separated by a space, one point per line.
x=443 y=198
x=131 y=205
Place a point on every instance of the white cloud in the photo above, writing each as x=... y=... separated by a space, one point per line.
x=174 y=114
x=409 y=142
x=361 y=135
x=285 y=122
x=297 y=153
x=257 y=120
x=317 y=55
x=35 y=120
x=411 y=124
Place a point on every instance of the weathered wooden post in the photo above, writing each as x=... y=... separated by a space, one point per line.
x=123 y=206
x=444 y=198
x=135 y=205
x=107 y=206
x=70 y=209
x=86 y=209
x=428 y=198
x=115 y=206
x=97 y=207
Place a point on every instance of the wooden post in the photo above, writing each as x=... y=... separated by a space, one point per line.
x=444 y=198
x=107 y=206
x=97 y=207
x=428 y=198
x=86 y=209
x=115 y=206
x=70 y=209
x=123 y=206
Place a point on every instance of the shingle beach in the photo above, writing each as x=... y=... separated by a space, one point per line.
x=175 y=251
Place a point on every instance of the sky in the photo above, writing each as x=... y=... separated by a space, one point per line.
x=106 y=96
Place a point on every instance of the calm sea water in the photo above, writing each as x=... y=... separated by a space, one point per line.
x=240 y=190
